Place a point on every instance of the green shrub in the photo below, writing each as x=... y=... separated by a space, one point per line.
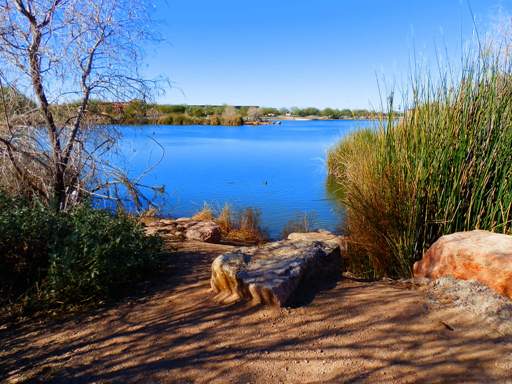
x=178 y=119
x=446 y=166
x=99 y=254
x=70 y=257
x=27 y=232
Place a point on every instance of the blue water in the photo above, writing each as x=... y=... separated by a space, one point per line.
x=278 y=169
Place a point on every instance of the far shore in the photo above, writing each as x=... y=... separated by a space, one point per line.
x=323 y=118
x=265 y=121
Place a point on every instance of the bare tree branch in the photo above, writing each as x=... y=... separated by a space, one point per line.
x=57 y=50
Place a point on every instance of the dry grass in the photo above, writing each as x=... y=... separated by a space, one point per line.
x=303 y=223
x=247 y=227
x=225 y=219
x=444 y=167
x=237 y=226
x=205 y=214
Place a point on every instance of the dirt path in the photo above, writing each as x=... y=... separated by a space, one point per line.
x=355 y=332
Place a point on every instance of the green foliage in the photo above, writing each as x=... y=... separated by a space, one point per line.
x=139 y=112
x=197 y=111
x=308 y=112
x=332 y=113
x=267 y=111
x=27 y=232
x=165 y=109
x=100 y=254
x=444 y=167
x=178 y=119
x=136 y=109
x=15 y=101
x=70 y=257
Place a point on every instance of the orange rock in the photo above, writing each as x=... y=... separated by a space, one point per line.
x=475 y=255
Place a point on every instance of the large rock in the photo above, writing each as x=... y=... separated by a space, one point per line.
x=207 y=231
x=319 y=236
x=185 y=229
x=476 y=255
x=272 y=273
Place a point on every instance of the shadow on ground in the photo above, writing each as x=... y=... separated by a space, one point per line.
x=349 y=332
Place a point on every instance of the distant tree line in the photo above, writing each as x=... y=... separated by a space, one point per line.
x=332 y=113
x=140 y=112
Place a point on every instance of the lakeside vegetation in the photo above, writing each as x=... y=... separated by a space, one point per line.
x=56 y=249
x=140 y=112
x=51 y=259
x=237 y=226
x=444 y=167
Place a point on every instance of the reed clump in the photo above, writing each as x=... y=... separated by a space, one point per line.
x=237 y=226
x=242 y=226
x=205 y=214
x=445 y=166
x=305 y=222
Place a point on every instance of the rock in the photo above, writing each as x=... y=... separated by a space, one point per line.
x=472 y=296
x=311 y=236
x=151 y=224
x=321 y=235
x=476 y=255
x=150 y=231
x=192 y=223
x=160 y=223
x=175 y=230
x=207 y=231
x=166 y=222
x=272 y=273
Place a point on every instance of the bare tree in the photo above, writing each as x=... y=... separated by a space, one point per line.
x=63 y=54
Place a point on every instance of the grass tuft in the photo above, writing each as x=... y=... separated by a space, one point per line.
x=242 y=226
x=205 y=214
x=305 y=222
x=445 y=166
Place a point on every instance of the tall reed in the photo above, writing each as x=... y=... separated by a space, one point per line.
x=445 y=166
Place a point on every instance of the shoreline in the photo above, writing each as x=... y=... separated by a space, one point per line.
x=271 y=121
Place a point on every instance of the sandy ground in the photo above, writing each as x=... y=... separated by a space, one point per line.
x=383 y=332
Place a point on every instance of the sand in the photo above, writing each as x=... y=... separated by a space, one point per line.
x=173 y=332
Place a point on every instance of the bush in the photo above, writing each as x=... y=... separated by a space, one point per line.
x=99 y=255
x=27 y=233
x=444 y=167
x=85 y=254
x=177 y=119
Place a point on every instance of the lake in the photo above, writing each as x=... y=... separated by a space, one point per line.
x=278 y=169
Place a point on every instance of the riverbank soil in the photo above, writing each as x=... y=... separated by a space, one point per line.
x=380 y=332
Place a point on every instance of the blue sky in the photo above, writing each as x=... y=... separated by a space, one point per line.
x=305 y=53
